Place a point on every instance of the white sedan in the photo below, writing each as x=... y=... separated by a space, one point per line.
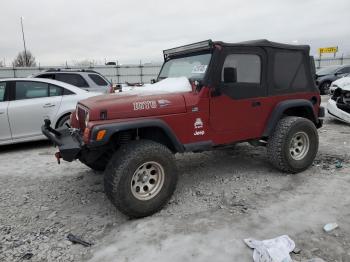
x=25 y=103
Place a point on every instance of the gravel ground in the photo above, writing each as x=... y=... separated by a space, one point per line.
x=222 y=197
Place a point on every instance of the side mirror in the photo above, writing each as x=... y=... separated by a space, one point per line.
x=153 y=81
x=230 y=75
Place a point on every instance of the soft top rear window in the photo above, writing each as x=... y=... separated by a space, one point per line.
x=289 y=71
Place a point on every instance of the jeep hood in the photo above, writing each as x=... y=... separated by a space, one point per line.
x=162 y=98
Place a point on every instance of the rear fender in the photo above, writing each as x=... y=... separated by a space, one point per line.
x=282 y=108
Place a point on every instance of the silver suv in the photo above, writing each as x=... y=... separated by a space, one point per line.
x=88 y=80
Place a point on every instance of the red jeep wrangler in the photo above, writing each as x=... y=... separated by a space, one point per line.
x=207 y=95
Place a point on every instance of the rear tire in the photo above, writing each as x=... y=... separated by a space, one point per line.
x=293 y=145
x=140 y=178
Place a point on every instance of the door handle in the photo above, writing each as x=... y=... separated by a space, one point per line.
x=256 y=103
x=48 y=105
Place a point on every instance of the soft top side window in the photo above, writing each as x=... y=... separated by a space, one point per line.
x=245 y=68
x=242 y=72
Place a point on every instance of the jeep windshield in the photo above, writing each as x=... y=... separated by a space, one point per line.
x=193 y=67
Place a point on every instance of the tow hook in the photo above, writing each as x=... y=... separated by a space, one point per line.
x=58 y=157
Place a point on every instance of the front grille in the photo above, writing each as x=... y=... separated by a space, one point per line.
x=81 y=116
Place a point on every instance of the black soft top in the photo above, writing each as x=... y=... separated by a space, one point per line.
x=209 y=45
x=265 y=43
x=289 y=68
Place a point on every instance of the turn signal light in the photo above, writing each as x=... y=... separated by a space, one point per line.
x=100 y=135
x=86 y=135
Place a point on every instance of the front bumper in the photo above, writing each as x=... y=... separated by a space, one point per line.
x=68 y=141
x=337 y=113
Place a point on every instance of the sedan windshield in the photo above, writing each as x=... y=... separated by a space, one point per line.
x=192 y=67
x=328 y=70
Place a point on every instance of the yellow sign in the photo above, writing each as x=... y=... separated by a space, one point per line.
x=332 y=49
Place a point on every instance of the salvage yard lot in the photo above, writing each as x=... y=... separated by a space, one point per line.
x=222 y=197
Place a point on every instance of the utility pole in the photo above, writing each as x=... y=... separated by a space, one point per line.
x=24 y=43
x=319 y=62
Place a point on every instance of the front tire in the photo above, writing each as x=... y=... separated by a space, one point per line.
x=140 y=178
x=293 y=145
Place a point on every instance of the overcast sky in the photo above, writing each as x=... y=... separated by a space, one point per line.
x=130 y=31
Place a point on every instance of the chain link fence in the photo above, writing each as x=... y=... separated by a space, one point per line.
x=142 y=73
x=325 y=61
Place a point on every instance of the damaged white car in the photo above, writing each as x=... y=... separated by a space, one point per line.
x=339 y=104
x=341 y=82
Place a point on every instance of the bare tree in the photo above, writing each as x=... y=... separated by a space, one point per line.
x=24 y=59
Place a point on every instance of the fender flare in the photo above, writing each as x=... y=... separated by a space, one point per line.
x=281 y=107
x=113 y=128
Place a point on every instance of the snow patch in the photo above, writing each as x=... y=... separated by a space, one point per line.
x=168 y=85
